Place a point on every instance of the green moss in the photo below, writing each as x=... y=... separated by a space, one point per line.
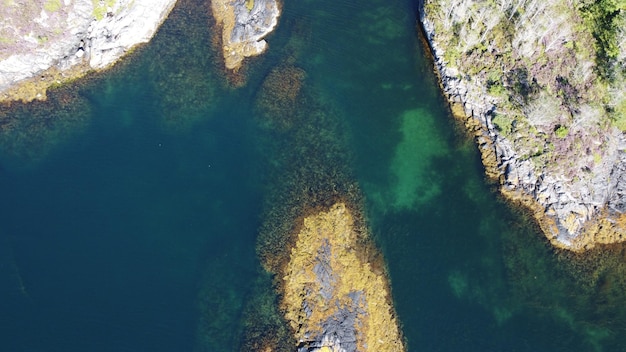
x=451 y=56
x=561 y=132
x=619 y=115
x=503 y=123
x=6 y=40
x=597 y=158
x=99 y=12
x=52 y=5
x=100 y=8
x=497 y=90
x=249 y=4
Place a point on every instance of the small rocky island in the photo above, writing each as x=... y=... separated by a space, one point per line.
x=333 y=285
x=244 y=24
x=542 y=86
x=334 y=298
x=49 y=42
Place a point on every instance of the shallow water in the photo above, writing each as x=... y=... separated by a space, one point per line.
x=135 y=229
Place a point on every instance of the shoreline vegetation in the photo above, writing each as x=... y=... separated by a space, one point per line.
x=49 y=43
x=547 y=108
x=244 y=24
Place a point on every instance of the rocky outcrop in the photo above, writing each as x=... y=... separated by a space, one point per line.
x=334 y=298
x=523 y=79
x=244 y=24
x=48 y=42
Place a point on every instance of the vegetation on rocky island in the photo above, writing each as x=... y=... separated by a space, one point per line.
x=549 y=81
x=333 y=292
x=332 y=285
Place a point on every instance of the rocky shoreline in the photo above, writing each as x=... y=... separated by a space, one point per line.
x=334 y=298
x=575 y=212
x=244 y=25
x=47 y=43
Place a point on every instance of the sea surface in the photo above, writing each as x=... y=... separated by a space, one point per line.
x=131 y=203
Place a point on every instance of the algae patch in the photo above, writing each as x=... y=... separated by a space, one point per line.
x=415 y=183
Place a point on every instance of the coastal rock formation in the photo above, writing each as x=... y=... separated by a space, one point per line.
x=333 y=291
x=334 y=298
x=244 y=25
x=48 y=42
x=541 y=84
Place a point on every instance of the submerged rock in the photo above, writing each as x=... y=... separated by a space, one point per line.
x=50 y=42
x=244 y=25
x=278 y=98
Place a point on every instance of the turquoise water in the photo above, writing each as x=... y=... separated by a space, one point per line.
x=129 y=218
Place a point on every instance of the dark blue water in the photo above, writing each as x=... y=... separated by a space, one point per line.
x=129 y=218
x=109 y=235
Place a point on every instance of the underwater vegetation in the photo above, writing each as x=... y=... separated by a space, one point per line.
x=182 y=72
x=324 y=231
x=30 y=131
x=312 y=193
x=277 y=99
x=264 y=325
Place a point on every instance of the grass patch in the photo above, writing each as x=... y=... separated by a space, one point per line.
x=52 y=5
x=503 y=123
x=618 y=117
x=497 y=90
x=100 y=8
x=6 y=40
x=561 y=132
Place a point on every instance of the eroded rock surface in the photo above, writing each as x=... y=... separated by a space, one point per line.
x=244 y=25
x=58 y=40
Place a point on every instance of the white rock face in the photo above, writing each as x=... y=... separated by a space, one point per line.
x=41 y=34
x=134 y=22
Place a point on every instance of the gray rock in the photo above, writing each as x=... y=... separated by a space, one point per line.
x=562 y=198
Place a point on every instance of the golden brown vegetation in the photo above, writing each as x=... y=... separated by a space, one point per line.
x=349 y=273
x=277 y=99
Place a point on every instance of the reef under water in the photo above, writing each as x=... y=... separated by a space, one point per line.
x=163 y=206
x=333 y=283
